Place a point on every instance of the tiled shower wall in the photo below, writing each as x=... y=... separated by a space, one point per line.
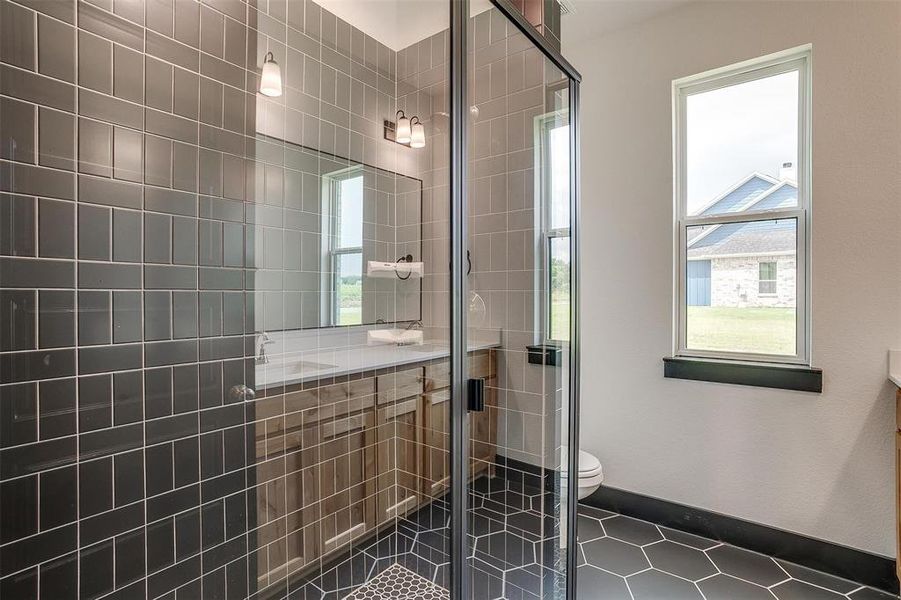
x=134 y=190
x=509 y=88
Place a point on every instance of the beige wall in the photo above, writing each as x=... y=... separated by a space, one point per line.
x=818 y=464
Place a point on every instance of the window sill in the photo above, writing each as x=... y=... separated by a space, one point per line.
x=785 y=377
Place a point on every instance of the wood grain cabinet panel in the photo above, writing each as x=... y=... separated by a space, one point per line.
x=436 y=440
x=399 y=441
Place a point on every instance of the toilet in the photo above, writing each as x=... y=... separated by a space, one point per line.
x=591 y=473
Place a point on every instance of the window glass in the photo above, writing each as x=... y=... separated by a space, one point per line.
x=349 y=288
x=350 y=212
x=767 y=283
x=559 y=177
x=559 y=269
x=734 y=299
x=741 y=141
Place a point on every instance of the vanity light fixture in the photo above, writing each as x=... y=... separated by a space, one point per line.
x=408 y=131
x=404 y=131
x=271 y=79
x=417 y=135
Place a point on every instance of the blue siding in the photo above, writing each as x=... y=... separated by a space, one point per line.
x=740 y=196
x=784 y=197
x=698 y=283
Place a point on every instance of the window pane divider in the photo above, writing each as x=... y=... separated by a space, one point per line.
x=743 y=217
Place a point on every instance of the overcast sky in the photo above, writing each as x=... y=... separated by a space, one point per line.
x=737 y=130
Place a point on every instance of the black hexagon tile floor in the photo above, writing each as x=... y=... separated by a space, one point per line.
x=627 y=559
x=514 y=551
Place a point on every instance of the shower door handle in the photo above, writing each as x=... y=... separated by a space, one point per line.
x=475 y=394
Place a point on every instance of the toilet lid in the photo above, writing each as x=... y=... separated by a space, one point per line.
x=588 y=463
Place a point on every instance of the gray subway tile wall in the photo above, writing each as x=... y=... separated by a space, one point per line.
x=146 y=194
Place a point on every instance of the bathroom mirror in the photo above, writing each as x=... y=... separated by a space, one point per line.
x=332 y=239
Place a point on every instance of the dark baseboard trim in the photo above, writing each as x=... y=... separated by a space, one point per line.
x=802 y=379
x=856 y=565
x=524 y=473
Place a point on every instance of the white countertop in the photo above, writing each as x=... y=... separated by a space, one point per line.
x=291 y=363
x=894 y=366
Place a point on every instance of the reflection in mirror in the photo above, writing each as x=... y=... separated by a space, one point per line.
x=335 y=247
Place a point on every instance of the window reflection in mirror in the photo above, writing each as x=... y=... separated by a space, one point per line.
x=343 y=271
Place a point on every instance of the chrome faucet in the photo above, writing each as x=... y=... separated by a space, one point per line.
x=413 y=325
x=263 y=340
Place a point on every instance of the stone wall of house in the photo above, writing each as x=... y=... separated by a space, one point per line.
x=734 y=282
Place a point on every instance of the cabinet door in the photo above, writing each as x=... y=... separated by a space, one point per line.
x=398 y=458
x=268 y=497
x=344 y=478
x=342 y=429
x=436 y=441
x=399 y=443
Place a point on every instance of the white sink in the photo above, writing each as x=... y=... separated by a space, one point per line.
x=400 y=337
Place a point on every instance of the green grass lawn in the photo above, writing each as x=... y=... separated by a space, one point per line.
x=757 y=330
x=560 y=319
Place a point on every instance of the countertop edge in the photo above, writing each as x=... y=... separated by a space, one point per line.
x=341 y=371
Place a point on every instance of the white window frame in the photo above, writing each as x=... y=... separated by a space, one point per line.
x=331 y=190
x=795 y=59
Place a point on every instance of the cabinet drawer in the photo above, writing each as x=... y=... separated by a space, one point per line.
x=480 y=364
x=346 y=425
x=337 y=410
x=437 y=376
x=398 y=410
x=402 y=384
x=438 y=396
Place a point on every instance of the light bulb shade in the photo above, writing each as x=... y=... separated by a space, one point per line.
x=417 y=137
x=404 y=132
x=271 y=79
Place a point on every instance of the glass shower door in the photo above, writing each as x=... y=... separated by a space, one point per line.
x=518 y=307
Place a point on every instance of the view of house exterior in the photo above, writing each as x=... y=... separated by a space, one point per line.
x=745 y=264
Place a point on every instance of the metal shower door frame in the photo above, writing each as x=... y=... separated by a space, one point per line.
x=459 y=112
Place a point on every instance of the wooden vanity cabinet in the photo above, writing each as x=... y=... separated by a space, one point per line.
x=334 y=463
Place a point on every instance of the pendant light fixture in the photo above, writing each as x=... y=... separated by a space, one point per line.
x=417 y=133
x=404 y=132
x=271 y=80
